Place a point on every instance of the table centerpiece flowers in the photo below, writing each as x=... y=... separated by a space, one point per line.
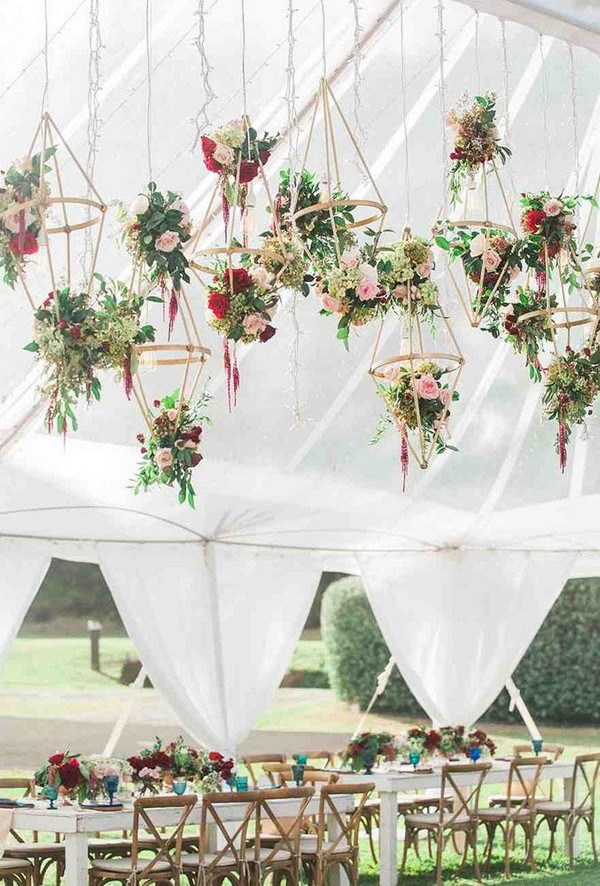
x=476 y=140
x=155 y=229
x=367 y=749
x=20 y=230
x=171 y=449
x=67 y=774
x=214 y=770
x=149 y=768
x=478 y=744
x=105 y=773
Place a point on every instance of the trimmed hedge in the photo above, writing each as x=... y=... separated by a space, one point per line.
x=559 y=676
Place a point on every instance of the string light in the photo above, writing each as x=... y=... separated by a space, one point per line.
x=404 y=116
x=544 y=107
x=357 y=58
x=323 y=38
x=244 y=88
x=201 y=120
x=441 y=34
x=149 y=98
x=46 y=66
x=574 y=119
x=477 y=56
x=95 y=48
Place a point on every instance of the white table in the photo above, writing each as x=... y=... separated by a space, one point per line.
x=392 y=782
x=77 y=824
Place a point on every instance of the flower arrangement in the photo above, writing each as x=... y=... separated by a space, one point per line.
x=415 y=400
x=66 y=772
x=446 y=742
x=491 y=260
x=185 y=761
x=20 y=230
x=64 y=338
x=150 y=767
x=571 y=383
x=405 y=270
x=365 y=749
x=99 y=768
x=214 y=771
x=171 y=450
x=241 y=305
x=479 y=742
x=235 y=152
x=476 y=139
x=315 y=230
x=284 y=259
x=548 y=226
x=352 y=290
x=527 y=336
x=156 y=229
x=118 y=328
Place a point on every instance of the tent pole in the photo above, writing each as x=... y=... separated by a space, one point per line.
x=517 y=702
x=382 y=681
x=117 y=730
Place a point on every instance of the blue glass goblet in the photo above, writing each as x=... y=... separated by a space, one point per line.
x=179 y=786
x=298 y=773
x=414 y=758
x=111 y=783
x=50 y=791
x=475 y=754
x=537 y=744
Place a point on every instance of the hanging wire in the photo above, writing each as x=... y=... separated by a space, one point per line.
x=574 y=119
x=506 y=81
x=357 y=58
x=95 y=48
x=149 y=96
x=244 y=89
x=201 y=120
x=544 y=107
x=46 y=65
x=323 y=38
x=477 y=56
x=404 y=116
x=441 y=34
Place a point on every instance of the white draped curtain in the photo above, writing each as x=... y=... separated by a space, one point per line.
x=214 y=625
x=458 y=622
x=23 y=565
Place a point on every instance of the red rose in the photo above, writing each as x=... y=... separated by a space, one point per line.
x=267 y=333
x=208 y=149
x=69 y=774
x=163 y=760
x=215 y=755
x=248 y=171
x=23 y=244
x=75 y=332
x=532 y=220
x=236 y=280
x=56 y=759
x=218 y=303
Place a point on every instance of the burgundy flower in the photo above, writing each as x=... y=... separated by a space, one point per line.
x=23 y=244
x=75 y=332
x=236 y=280
x=195 y=459
x=218 y=303
x=267 y=333
x=248 y=171
x=56 y=759
x=208 y=149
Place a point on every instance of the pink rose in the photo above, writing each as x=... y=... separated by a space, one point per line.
x=491 y=260
x=401 y=292
x=182 y=207
x=172 y=414
x=428 y=388
x=254 y=324
x=167 y=242
x=391 y=373
x=189 y=444
x=330 y=303
x=477 y=245
x=260 y=276
x=223 y=155
x=367 y=289
x=424 y=269
x=444 y=396
x=350 y=259
x=552 y=207
x=164 y=458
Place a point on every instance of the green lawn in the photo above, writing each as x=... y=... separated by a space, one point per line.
x=63 y=663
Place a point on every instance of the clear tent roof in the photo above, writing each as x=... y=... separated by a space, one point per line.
x=506 y=458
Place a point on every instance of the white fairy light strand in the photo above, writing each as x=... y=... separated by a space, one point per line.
x=201 y=120
x=244 y=87
x=477 y=56
x=544 y=107
x=46 y=65
x=357 y=58
x=95 y=48
x=290 y=90
x=506 y=78
x=442 y=66
x=323 y=38
x=149 y=92
x=574 y=118
x=404 y=116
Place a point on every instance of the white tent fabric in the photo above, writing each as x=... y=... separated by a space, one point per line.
x=459 y=622
x=298 y=499
x=214 y=627
x=23 y=564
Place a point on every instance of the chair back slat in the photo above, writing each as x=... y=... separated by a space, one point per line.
x=521 y=791
x=167 y=845
x=347 y=826
x=286 y=830
x=252 y=760
x=325 y=759
x=550 y=750
x=233 y=842
x=585 y=782
x=27 y=786
x=310 y=777
x=466 y=799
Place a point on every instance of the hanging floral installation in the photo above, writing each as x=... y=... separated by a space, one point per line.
x=487 y=250
x=526 y=326
x=155 y=229
x=20 y=228
x=76 y=336
x=405 y=269
x=236 y=153
x=171 y=448
x=571 y=384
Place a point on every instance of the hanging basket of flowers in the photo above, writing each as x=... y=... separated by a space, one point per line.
x=405 y=269
x=156 y=227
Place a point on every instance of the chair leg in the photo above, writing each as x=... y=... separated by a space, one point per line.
x=490 y=830
x=552 y=826
x=367 y=822
x=592 y=829
x=408 y=836
x=438 y=858
x=509 y=836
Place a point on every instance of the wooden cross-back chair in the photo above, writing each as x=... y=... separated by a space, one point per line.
x=250 y=761
x=462 y=817
x=310 y=777
x=554 y=751
x=324 y=851
x=229 y=860
x=519 y=810
x=42 y=856
x=322 y=759
x=579 y=806
x=280 y=856
x=164 y=866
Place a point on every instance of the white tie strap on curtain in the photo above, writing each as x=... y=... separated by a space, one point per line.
x=214 y=626
x=459 y=622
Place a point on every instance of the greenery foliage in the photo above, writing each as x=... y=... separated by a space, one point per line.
x=559 y=676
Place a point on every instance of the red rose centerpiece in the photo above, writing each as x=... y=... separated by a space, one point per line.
x=67 y=773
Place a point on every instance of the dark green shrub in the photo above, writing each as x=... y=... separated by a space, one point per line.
x=559 y=676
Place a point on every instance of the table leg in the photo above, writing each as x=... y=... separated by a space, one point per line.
x=388 y=838
x=567 y=788
x=76 y=859
x=337 y=875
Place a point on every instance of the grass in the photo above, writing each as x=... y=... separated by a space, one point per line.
x=64 y=663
